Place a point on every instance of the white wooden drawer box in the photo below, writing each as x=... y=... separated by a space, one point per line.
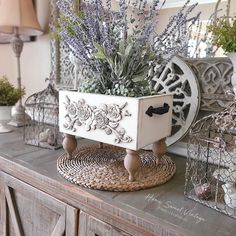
x=120 y=121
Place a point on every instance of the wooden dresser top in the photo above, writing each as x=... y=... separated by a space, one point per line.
x=162 y=210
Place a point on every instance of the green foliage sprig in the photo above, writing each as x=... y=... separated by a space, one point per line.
x=120 y=51
x=127 y=69
x=224 y=33
x=9 y=95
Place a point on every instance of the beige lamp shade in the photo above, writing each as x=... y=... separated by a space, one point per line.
x=19 y=14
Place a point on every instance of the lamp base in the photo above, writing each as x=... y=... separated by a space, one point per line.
x=16 y=122
x=4 y=129
x=18 y=116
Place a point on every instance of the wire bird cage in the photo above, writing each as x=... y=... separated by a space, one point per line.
x=41 y=128
x=211 y=164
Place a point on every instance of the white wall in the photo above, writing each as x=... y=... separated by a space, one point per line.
x=205 y=9
x=35 y=57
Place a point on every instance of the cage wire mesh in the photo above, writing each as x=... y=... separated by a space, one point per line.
x=211 y=163
x=41 y=124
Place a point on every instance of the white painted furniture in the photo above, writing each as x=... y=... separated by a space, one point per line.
x=120 y=121
x=131 y=123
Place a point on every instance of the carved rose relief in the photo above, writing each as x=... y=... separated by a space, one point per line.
x=83 y=111
x=104 y=117
x=71 y=110
x=114 y=113
x=100 y=119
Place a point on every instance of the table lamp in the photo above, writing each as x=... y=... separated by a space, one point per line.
x=17 y=17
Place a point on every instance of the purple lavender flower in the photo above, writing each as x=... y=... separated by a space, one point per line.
x=119 y=49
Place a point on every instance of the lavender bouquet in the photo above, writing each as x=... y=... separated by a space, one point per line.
x=120 y=51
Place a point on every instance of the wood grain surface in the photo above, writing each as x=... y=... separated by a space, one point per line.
x=160 y=211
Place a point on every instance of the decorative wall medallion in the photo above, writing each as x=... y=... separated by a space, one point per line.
x=178 y=79
x=105 y=117
x=214 y=75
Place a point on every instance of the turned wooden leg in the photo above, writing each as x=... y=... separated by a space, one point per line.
x=132 y=163
x=69 y=144
x=159 y=149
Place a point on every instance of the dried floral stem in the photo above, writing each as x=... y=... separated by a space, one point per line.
x=118 y=51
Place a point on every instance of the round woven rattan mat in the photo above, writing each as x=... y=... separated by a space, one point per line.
x=103 y=169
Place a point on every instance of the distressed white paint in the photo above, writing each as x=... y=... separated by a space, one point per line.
x=140 y=127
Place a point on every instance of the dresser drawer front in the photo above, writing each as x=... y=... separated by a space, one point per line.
x=91 y=226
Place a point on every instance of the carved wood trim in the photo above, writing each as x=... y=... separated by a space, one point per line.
x=59 y=229
x=4 y=210
x=66 y=224
x=214 y=76
x=72 y=220
x=179 y=79
x=91 y=226
x=26 y=190
x=13 y=212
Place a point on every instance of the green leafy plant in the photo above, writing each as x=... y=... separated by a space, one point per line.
x=224 y=33
x=9 y=95
x=120 y=50
x=127 y=70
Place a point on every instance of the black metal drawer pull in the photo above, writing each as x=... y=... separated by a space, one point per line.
x=159 y=110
